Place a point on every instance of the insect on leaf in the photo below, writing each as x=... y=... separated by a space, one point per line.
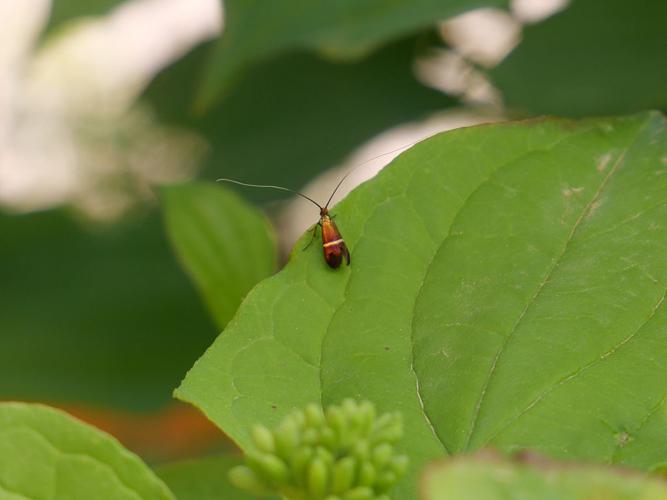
x=508 y=289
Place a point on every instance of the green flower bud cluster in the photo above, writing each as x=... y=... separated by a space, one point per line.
x=346 y=453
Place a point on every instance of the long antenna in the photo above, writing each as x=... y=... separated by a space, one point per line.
x=224 y=179
x=272 y=187
x=364 y=163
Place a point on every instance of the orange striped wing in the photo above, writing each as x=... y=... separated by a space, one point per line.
x=333 y=244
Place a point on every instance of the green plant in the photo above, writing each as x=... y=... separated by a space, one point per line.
x=344 y=453
x=507 y=286
x=507 y=289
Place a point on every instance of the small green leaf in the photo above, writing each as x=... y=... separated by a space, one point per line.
x=255 y=31
x=225 y=244
x=507 y=287
x=202 y=479
x=45 y=453
x=593 y=58
x=486 y=477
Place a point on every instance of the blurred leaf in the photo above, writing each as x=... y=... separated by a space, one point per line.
x=104 y=317
x=203 y=479
x=45 y=453
x=297 y=115
x=593 y=58
x=257 y=31
x=497 y=478
x=226 y=245
x=507 y=287
x=63 y=11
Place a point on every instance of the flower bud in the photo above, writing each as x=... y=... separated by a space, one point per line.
x=244 y=478
x=310 y=436
x=328 y=437
x=349 y=408
x=381 y=454
x=335 y=419
x=314 y=415
x=263 y=439
x=325 y=455
x=317 y=478
x=344 y=453
x=344 y=474
x=386 y=480
x=271 y=468
x=299 y=464
x=286 y=437
x=361 y=449
x=367 y=409
x=367 y=474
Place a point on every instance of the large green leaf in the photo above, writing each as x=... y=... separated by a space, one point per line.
x=495 y=478
x=226 y=245
x=100 y=315
x=593 y=58
x=310 y=116
x=45 y=453
x=203 y=479
x=507 y=287
x=255 y=31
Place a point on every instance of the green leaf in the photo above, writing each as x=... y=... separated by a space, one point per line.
x=203 y=479
x=96 y=315
x=226 y=245
x=45 y=453
x=298 y=120
x=591 y=59
x=488 y=478
x=255 y=31
x=507 y=287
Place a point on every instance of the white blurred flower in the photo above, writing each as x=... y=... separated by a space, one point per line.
x=71 y=132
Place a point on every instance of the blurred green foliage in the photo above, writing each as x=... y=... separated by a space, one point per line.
x=298 y=114
x=102 y=316
x=593 y=58
x=347 y=29
x=494 y=477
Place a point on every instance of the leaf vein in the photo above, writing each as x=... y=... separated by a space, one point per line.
x=448 y=236
x=607 y=354
x=556 y=262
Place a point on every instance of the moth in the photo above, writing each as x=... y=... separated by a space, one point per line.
x=333 y=244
